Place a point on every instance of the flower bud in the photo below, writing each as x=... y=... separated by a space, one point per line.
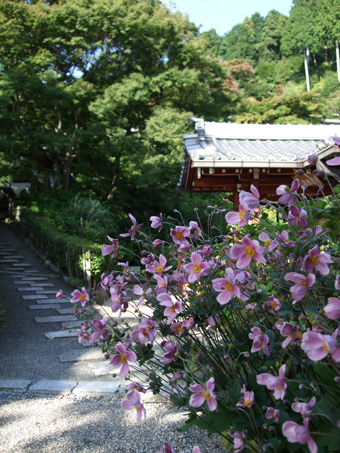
x=114 y=375
x=319 y=173
x=312 y=159
x=246 y=354
x=300 y=172
x=337 y=380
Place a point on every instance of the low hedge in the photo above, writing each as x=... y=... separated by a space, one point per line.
x=65 y=251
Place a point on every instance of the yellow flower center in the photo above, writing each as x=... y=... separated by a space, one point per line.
x=228 y=286
x=241 y=213
x=195 y=231
x=196 y=268
x=304 y=282
x=159 y=269
x=313 y=260
x=247 y=402
x=123 y=358
x=249 y=251
x=179 y=329
x=81 y=297
x=179 y=235
x=163 y=285
x=272 y=304
x=206 y=395
x=325 y=347
x=173 y=308
x=267 y=243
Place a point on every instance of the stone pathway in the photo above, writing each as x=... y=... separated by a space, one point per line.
x=36 y=291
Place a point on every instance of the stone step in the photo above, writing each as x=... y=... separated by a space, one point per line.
x=31 y=288
x=47 y=319
x=14 y=257
x=82 y=356
x=43 y=307
x=53 y=301
x=65 y=311
x=8 y=261
x=14 y=385
x=56 y=387
x=22 y=265
x=96 y=388
x=34 y=278
x=40 y=284
x=61 y=334
x=71 y=324
x=34 y=296
x=46 y=292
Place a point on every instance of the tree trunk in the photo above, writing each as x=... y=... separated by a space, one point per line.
x=306 y=69
x=115 y=178
x=314 y=59
x=326 y=53
x=337 y=58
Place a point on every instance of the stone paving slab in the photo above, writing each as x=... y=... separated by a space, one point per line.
x=17 y=257
x=60 y=334
x=8 y=250
x=46 y=386
x=31 y=288
x=34 y=296
x=85 y=343
x=102 y=368
x=30 y=271
x=43 y=307
x=34 y=278
x=14 y=271
x=53 y=301
x=8 y=261
x=96 y=388
x=46 y=319
x=22 y=265
x=71 y=324
x=32 y=283
x=15 y=385
x=65 y=311
x=46 y=292
x=81 y=356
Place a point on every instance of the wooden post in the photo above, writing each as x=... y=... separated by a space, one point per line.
x=235 y=200
x=306 y=69
x=337 y=58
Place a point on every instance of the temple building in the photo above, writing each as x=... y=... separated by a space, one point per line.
x=229 y=157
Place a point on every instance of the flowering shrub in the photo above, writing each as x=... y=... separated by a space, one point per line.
x=244 y=327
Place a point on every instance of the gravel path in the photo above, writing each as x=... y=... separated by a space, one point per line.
x=65 y=424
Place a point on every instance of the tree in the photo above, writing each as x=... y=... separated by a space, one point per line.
x=328 y=25
x=82 y=81
x=269 y=45
x=300 y=32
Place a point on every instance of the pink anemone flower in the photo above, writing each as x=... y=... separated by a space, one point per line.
x=179 y=235
x=268 y=243
x=173 y=352
x=172 y=308
x=157 y=222
x=100 y=326
x=334 y=161
x=290 y=331
x=158 y=267
x=122 y=359
x=241 y=217
x=227 y=287
x=201 y=394
x=251 y=200
x=139 y=291
x=135 y=403
x=145 y=331
x=113 y=248
x=59 y=294
x=299 y=434
x=318 y=260
x=196 y=268
x=332 y=309
x=244 y=254
x=305 y=409
x=299 y=290
x=167 y=448
x=177 y=327
x=80 y=296
x=247 y=400
x=298 y=217
x=337 y=282
x=288 y=196
x=239 y=440
x=196 y=229
x=318 y=346
x=132 y=231
x=272 y=413
x=273 y=304
x=106 y=279
x=278 y=384
x=189 y=323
